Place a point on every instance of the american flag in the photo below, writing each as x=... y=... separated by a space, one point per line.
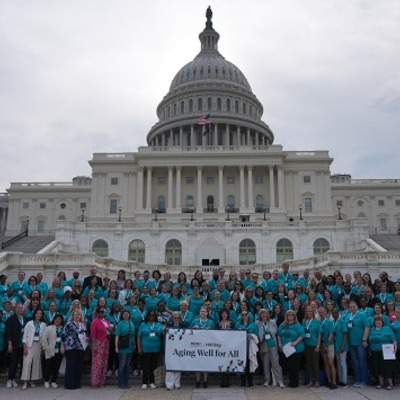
x=205 y=119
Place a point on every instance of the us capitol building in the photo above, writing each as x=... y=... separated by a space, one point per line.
x=217 y=193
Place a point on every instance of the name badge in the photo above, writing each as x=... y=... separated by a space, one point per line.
x=308 y=335
x=267 y=336
x=152 y=334
x=36 y=338
x=19 y=292
x=58 y=340
x=350 y=325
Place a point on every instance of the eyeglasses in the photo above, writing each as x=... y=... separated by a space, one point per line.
x=244 y=314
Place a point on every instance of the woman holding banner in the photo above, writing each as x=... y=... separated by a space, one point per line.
x=245 y=324
x=269 y=356
x=225 y=323
x=202 y=323
x=290 y=341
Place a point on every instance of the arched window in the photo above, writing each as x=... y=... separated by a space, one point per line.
x=259 y=203
x=161 y=204
x=209 y=103
x=284 y=250
x=247 y=252
x=321 y=246
x=136 y=251
x=244 y=108
x=210 y=203
x=174 y=108
x=236 y=106
x=219 y=104
x=182 y=107
x=100 y=248
x=228 y=104
x=231 y=202
x=190 y=105
x=200 y=104
x=189 y=202
x=173 y=252
x=61 y=218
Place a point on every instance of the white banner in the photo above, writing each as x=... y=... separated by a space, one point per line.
x=198 y=350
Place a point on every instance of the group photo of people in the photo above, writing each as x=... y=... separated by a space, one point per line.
x=303 y=328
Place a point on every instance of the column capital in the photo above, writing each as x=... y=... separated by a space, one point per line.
x=241 y=167
x=199 y=167
x=220 y=167
x=149 y=168
x=140 y=168
x=178 y=168
x=170 y=168
x=249 y=167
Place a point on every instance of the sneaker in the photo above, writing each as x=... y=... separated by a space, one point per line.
x=46 y=385
x=197 y=385
x=205 y=385
x=177 y=387
x=281 y=386
x=361 y=385
x=333 y=386
x=25 y=386
x=266 y=383
x=389 y=387
x=135 y=372
x=356 y=384
x=54 y=385
x=342 y=384
x=144 y=386
x=14 y=383
x=31 y=384
x=9 y=384
x=109 y=373
x=152 y=386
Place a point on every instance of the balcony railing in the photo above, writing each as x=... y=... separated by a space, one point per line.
x=210 y=210
x=187 y=210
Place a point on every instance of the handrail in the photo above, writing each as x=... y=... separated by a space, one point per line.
x=14 y=239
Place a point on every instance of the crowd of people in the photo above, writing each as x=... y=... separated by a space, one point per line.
x=335 y=324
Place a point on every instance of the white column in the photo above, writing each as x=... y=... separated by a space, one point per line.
x=178 y=189
x=281 y=189
x=215 y=141
x=199 y=190
x=192 y=141
x=139 y=199
x=241 y=171
x=221 y=203
x=256 y=138
x=170 y=188
x=250 y=204
x=271 y=188
x=149 y=191
x=227 y=135
x=238 y=135
x=181 y=136
x=248 y=141
x=131 y=193
x=163 y=139
x=171 y=137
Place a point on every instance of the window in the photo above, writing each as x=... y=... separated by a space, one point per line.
x=219 y=104
x=244 y=108
x=308 y=205
x=190 y=105
x=189 y=180
x=174 y=108
x=40 y=226
x=83 y=205
x=209 y=103
x=200 y=104
x=189 y=202
x=383 y=224
x=25 y=205
x=306 y=179
x=210 y=180
x=284 y=250
x=339 y=203
x=182 y=107
x=114 y=181
x=161 y=180
x=42 y=205
x=259 y=180
x=381 y=203
x=360 y=203
x=231 y=202
x=228 y=104
x=321 y=246
x=361 y=215
x=397 y=202
x=237 y=106
x=61 y=218
x=63 y=205
x=173 y=252
x=161 y=204
x=24 y=225
x=113 y=206
x=230 y=180
x=100 y=248
x=247 y=252
x=210 y=203
x=136 y=251
x=398 y=222
x=259 y=203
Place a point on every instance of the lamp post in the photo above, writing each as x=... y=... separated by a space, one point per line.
x=156 y=214
x=265 y=211
x=339 y=213
x=227 y=214
x=301 y=212
x=191 y=213
x=119 y=213
x=83 y=214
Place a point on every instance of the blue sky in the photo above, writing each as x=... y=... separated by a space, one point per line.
x=78 y=77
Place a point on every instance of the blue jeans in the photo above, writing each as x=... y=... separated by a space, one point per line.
x=359 y=359
x=123 y=368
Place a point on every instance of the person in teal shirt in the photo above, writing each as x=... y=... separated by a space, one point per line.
x=149 y=342
x=195 y=301
x=395 y=325
x=341 y=347
x=291 y=332
x=312 y=342
x=2 y=334
x=186 y=316
x=380 y=335
x=152 y=301
x=125 y=328
x=378 y=312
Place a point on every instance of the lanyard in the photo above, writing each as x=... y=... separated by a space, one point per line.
x=308 y=323
x=353 y=316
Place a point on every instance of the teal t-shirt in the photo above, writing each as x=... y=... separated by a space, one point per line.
x=174 y=303
x=151 y=303
x=122 y=329
x=151 y=337
x=379 y=337
x=386 y=321
x=195 y=303
x=250 y=328
x=395 y=326
x=340 y=329
x=187 y=318
x=327 y=328
x=209 y=324
x=138 y=317
x=267 y=335
x=312 y=328
x=356 y=325
x=290 y=334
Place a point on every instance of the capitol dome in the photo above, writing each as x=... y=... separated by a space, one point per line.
x=209 y=85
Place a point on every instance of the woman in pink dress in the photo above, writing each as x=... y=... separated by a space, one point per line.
x=100 y=334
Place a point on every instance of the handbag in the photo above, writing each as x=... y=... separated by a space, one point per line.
x=123 y=342
x=263 y=348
